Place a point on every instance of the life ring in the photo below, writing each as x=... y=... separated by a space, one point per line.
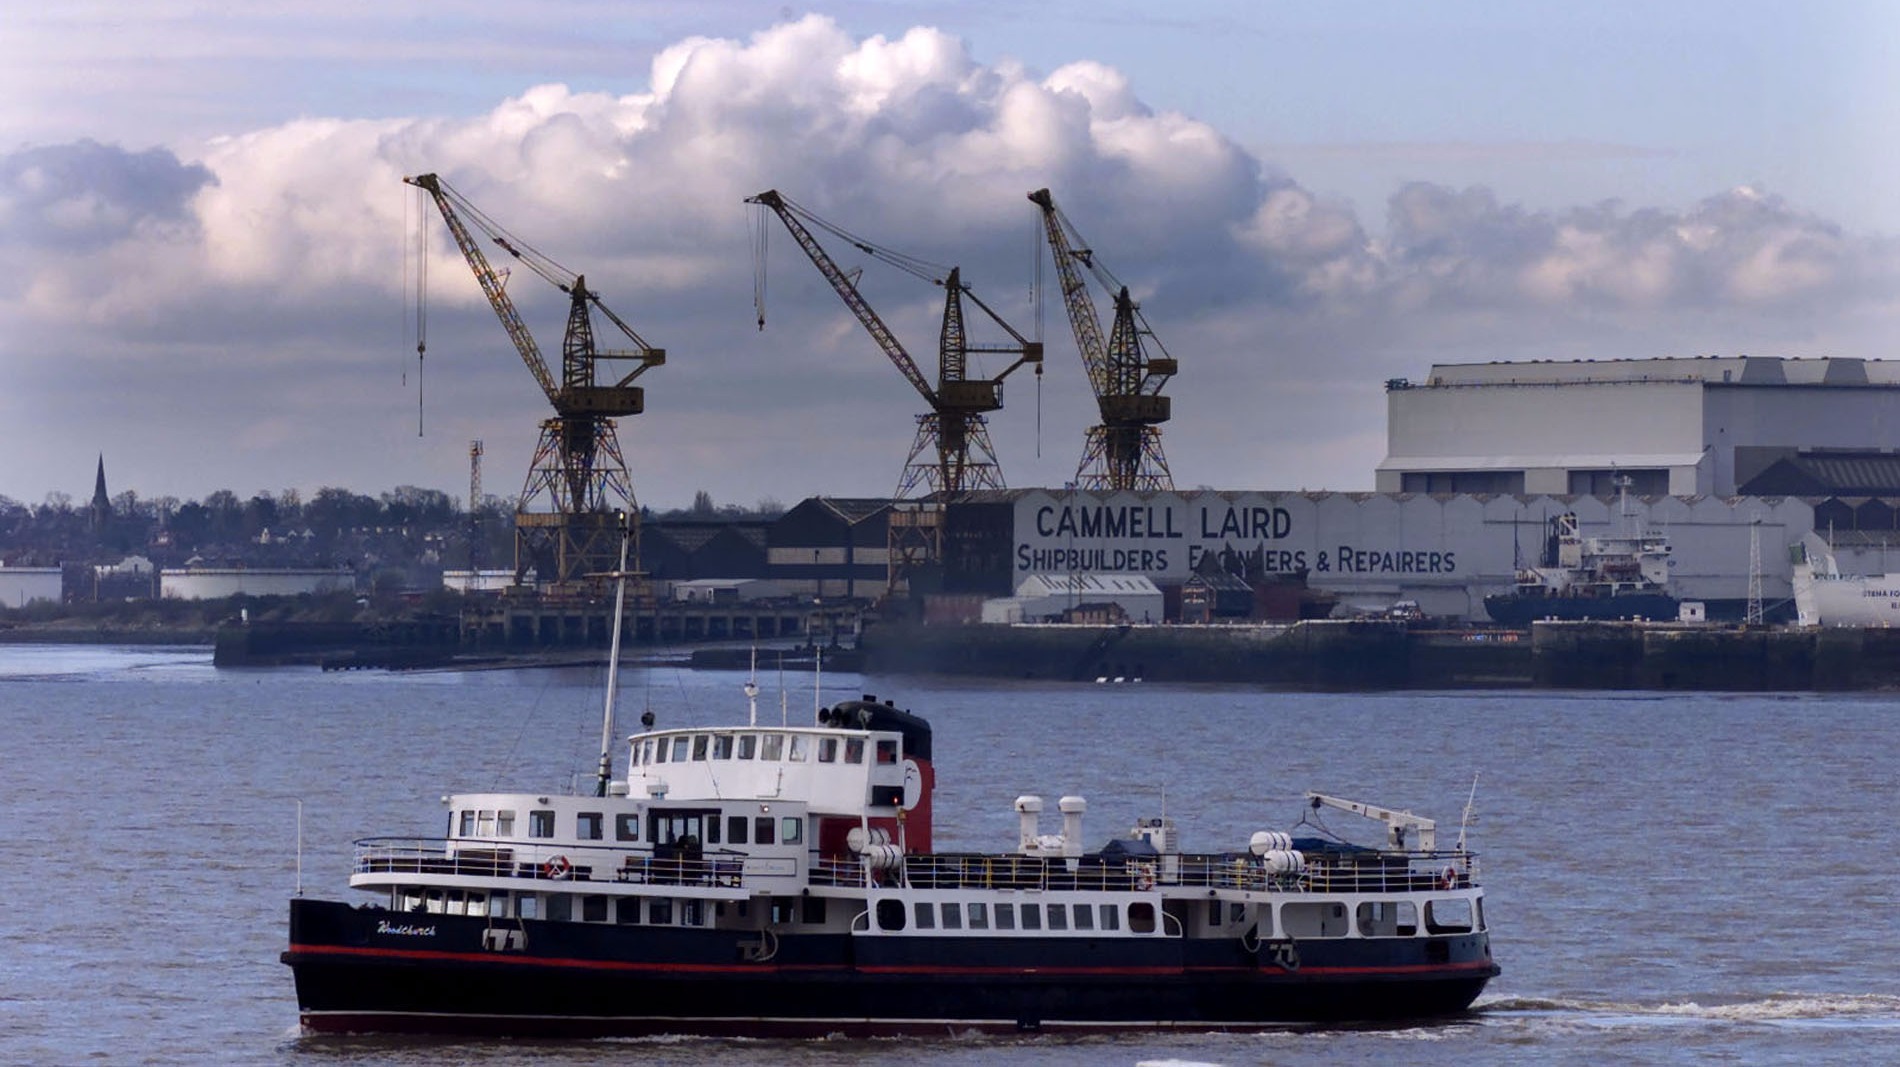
x=557 y=868
x=1448 y=878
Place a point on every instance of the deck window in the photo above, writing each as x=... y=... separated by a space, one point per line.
x=812 y=911
x=1449 y=916
x=1387 y=918
x=773 y=747
x=594 y=909
x=979 y=916
x=798 y=749
x=478 y=904
x=560 y=907
x=1032 y=916
x=735 y=829
x=854 y=750
x=540 y=824
x=953 y=916
x=1084 y=917
x=587 y=826
x=505 y=823
x=1006 y=916
x=627 y=826
x=1111 y=917
x=1213 y=913
x=722 y=746
x=890 y=914
x=527 y=906
x=660 y=912
x=1320 y=918
x=827 y=750
x=926 y=915
x=699 y=748
x=1141 y=917
x=692 y=912
x=791 y=830
x=498 y=904
x=627 y=911
x=748 y=746
x=762 y=830
x=1058 y=916
x=887 y=751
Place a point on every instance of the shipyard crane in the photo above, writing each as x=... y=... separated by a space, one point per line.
x=954 y=429
x=1124 y=450
x=565 y=520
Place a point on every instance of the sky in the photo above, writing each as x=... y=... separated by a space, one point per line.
x=209 y=263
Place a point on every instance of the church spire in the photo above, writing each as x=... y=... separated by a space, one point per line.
x=101 y=503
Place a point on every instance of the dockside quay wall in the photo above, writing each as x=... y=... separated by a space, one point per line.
x=1340 y=654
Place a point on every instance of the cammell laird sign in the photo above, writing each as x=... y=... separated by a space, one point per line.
x=1166 y=536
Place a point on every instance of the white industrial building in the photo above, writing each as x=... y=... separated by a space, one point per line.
x=20 y=586
x=215 y=583
x=1047 y=597
x=1677 y=426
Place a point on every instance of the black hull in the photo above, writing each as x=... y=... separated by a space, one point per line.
x=361 y=970
x=1517 y=609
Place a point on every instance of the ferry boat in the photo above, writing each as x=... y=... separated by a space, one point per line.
x=1823 y=596
x=763 y=880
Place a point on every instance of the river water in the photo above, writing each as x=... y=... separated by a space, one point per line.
x=1672 y=878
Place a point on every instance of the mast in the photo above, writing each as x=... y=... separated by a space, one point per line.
x=613 y=666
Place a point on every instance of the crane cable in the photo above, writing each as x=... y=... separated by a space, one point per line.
x=422 y=298
x=759 y=231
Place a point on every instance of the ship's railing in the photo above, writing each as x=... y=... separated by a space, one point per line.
x=1381 y=872
x=565 y=863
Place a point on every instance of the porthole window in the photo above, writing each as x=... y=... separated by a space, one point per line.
x=890 y=914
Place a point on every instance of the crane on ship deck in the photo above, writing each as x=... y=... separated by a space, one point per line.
x=954 y=431
x=566 y=525
x=1123 y=451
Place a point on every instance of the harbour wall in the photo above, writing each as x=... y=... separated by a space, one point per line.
x=1377 y=654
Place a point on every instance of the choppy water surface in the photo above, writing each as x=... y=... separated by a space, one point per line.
x=1674 y=878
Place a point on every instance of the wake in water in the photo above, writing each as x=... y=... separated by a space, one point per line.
x=1870 y=1010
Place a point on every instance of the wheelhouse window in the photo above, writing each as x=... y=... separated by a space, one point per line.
x=699 y=748
x=587 y=826
x=679 y=748
x=659 y=754
x=485 y=824
x=627 y=826
x=748 y=746
x=791 y=830
x=887 y=751
x=762 y=830
x=827 y=750
x=854 y=750
x=772 y=747
x=468 y=824
x=540 y=824
x=505 y=823
x=736 y=830
x=722 y=746
x=797 y=749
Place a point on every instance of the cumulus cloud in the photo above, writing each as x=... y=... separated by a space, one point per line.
x=285 y=245
x=83 y=196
